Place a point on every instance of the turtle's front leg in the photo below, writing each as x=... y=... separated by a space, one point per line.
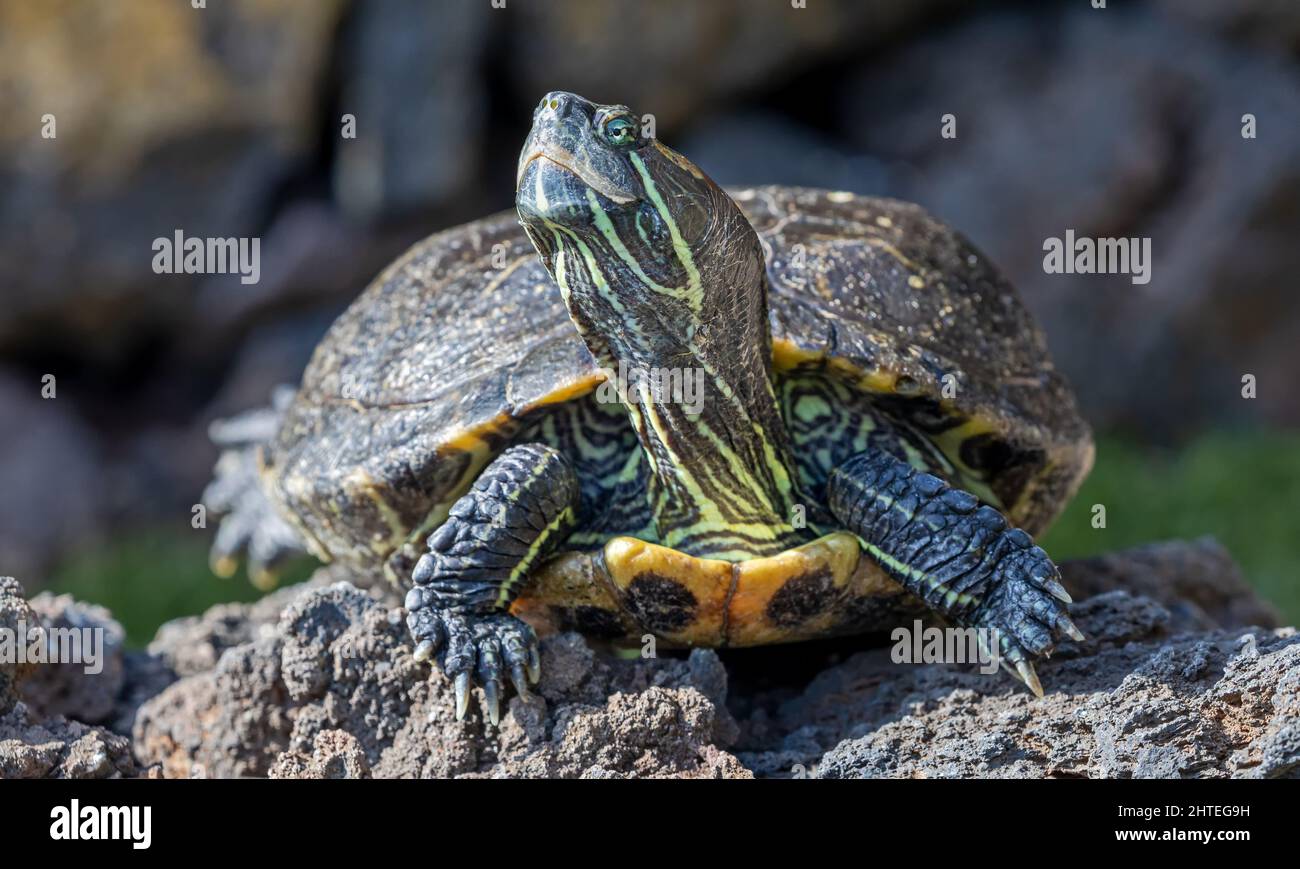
x=963 y=559
x=522 y=505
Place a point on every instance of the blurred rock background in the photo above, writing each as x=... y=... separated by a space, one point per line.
x=226 y=121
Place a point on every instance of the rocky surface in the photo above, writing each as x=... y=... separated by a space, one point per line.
x=1183 y=674
x=61 y=748
x=340 y=662
x=34 y=743
x=14 y=612
x=194 y=644
x=70 y=689
x=1133 y=701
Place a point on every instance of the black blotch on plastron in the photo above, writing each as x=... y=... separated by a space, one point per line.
x=801 y=598
x=592 y=621
x=659 y=604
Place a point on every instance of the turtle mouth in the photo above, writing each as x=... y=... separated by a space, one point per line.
x=557 y=158
x=555 y=191
x=561 y=161
x=551 y=191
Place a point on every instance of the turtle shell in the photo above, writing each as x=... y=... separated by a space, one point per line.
x=449 y=352
x=907 y=310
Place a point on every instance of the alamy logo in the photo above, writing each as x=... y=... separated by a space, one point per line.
x=75 y=821
x=1098 y=256
x=921 y=645
x=34 y=644
x=208 y=256
x=683 y=386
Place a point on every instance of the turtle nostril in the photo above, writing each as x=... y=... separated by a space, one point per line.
x=559 y=104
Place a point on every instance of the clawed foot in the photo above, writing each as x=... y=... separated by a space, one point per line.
x=518 y=508
x=959 y=556
x=472 y=645
x=1027 y=609
x=250 y=526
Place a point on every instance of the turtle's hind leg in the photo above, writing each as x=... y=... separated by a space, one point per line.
x=522 y=505
x=962 y=559
x=250 y=524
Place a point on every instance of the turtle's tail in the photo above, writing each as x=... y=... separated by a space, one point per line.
x=250 y=525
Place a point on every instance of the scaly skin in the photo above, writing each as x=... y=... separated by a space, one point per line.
x=521 y=506
x=963 y=559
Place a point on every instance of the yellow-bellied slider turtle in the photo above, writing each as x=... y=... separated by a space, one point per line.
x=722 y=419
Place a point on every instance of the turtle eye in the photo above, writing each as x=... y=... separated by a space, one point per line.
x=619 y=131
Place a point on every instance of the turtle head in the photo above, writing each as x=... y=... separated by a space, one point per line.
x=664 y=279
x=577 y=161
x=627 y=226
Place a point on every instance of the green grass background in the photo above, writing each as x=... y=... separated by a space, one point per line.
x=1243 y=488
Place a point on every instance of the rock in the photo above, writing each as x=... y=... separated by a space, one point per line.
x=107 y=684
x=330 y=690
x=33 y=745
x=871 y=717
x=145 y=677
x=1133 y=701
x=194 y=644
x=15 y=614
x=338 y=660
x=318 y=681
x=86 y=689
x=1275 y=751
x=336 y=754
x=59 y=748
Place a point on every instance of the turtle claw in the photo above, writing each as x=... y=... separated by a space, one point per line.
x=519 y=678
x=492 y=696
x=462 y=695
x=1025 y=671
x=1056 y=590
x=470 y=647
x=1026 y=612
x=1071 y=630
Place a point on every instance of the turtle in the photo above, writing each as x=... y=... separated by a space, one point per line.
x=642 y=406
